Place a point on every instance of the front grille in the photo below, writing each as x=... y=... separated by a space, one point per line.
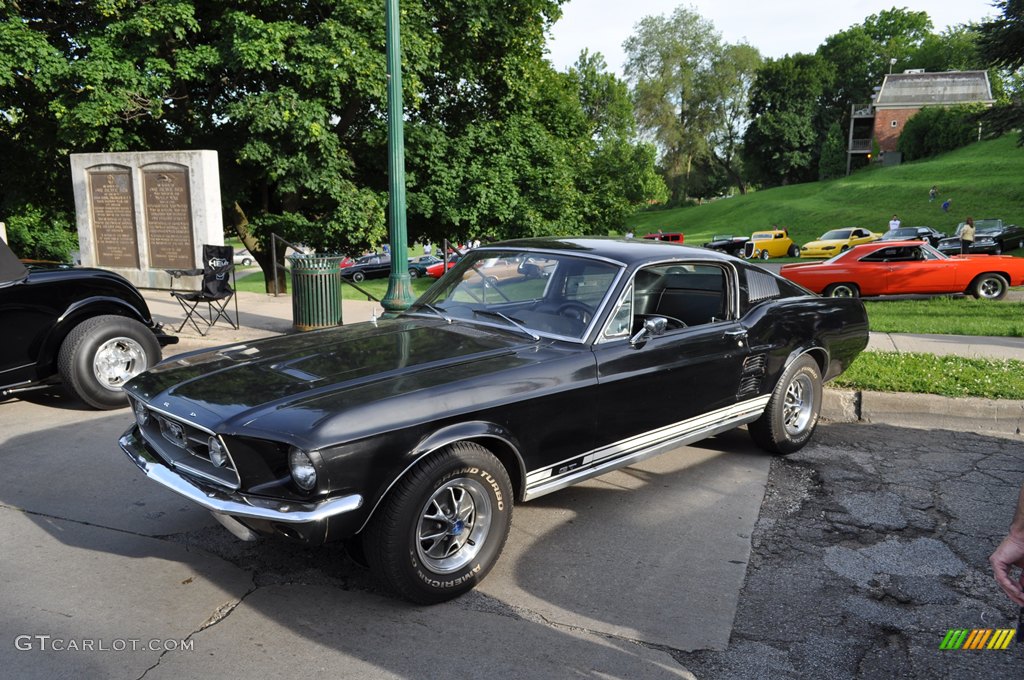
x=748 y=249
x=184 y=446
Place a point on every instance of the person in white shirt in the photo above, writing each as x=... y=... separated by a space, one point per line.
x=894 y=223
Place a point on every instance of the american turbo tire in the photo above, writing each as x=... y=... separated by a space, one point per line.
x=792 y=413
x=101 y=354
x=443 y=526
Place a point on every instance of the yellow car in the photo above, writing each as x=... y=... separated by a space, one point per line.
x=771 y=243
x=837 y=240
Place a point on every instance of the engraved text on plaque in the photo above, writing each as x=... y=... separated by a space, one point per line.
x=113 y=219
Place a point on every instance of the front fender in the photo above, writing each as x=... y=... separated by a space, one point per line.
x=492 y=436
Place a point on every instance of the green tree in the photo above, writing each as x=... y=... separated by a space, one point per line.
x=832 y=163
x=689 y=92
x=782 y=145
x=291 y=96
x=862 y=55
x=1002 y=45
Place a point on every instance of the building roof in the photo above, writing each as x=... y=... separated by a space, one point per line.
x=914 y=90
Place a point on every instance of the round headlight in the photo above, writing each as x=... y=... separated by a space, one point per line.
x=302 y=469
x=141 y=414
x=218 y=456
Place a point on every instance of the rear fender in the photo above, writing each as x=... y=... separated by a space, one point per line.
x=74 y=315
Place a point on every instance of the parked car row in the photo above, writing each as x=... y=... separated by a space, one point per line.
x=992 y=236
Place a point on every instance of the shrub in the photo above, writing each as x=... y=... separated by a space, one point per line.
x=937 y=129
x=35 y=233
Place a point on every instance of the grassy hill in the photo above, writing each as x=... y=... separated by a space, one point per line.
x=985 y=179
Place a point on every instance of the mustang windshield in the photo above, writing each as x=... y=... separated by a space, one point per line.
x=534 y=292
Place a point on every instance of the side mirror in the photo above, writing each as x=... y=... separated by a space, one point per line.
x=653 y=326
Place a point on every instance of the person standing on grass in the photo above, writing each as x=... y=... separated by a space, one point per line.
x=967 y=236
x=894 y=223
x=933 y=193
x=945 y=205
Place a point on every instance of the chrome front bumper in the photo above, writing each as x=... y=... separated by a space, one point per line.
x=232 y=503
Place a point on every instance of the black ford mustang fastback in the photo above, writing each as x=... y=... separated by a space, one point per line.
x=412 y=438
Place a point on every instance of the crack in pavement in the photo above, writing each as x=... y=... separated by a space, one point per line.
x=871 y=544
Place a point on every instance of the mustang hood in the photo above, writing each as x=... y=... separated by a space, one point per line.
x=347 y=367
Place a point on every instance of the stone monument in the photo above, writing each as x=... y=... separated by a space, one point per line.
x=143 y=213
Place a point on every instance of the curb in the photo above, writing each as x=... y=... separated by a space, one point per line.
x=924 y=411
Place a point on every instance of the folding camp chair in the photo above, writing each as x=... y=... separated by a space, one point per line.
x=216 y=293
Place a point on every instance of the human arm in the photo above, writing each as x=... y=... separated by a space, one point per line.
x=1009 y=554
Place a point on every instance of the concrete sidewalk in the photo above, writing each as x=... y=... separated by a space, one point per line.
x=262 y=315
x=259 y=315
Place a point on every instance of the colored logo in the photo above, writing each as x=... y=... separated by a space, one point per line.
x=978 y=638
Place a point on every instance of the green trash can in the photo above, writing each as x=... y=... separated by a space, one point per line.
x=316 y=291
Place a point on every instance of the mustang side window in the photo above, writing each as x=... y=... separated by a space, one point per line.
x=621 y=322
x=684 y=294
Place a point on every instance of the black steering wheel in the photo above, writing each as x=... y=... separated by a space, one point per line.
x=576 y=310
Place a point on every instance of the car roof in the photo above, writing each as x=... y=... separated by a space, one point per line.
x=875 y=245
x=627 y=251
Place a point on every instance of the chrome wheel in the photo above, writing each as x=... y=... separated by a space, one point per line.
x=798 y=406
x=453 y=525
x=117 y=361
x=844 y=290
x=991 y=287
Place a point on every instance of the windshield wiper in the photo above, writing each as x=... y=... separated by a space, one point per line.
x=499 y=315
x=436 y=310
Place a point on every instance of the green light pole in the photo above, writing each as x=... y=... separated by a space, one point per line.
x=399 y=295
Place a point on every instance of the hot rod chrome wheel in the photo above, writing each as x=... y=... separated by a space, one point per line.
x=101 y=354
x=453 y=526
x=798 y=406
x=117 y=361
x=792 y=412
x=443 y=525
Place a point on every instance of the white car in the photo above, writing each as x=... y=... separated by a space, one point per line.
x=243 y=257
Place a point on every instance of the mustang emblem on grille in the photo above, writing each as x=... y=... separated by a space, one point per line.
x=175 y=434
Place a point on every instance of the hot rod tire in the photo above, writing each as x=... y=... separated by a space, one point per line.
x=443 y=526
x=792 y=413
x=101 y=354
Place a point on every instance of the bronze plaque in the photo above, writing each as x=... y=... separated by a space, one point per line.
x=169 y=219
x=113 y=219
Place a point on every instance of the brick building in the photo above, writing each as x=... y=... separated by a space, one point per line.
x=904 y=94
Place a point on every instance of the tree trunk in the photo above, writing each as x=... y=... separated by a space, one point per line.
x=263 y=257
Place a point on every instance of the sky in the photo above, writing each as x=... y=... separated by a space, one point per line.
x=775 y=27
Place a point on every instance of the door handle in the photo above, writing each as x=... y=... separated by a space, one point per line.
x=739 y=337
